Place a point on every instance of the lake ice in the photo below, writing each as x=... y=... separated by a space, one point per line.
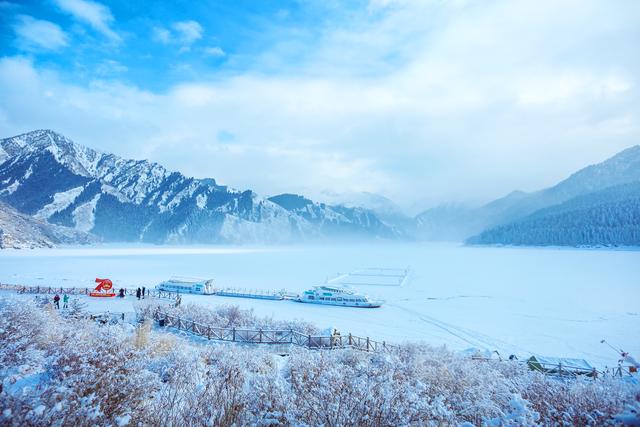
x=523 y=301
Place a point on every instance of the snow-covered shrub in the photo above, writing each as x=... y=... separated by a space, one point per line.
x=227 y=316
x=631 y=414
x=67 y=371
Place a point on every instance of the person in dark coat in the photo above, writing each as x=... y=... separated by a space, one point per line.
x=56 y=301
x=121 y=293
x=138 y=293
x=143 y=291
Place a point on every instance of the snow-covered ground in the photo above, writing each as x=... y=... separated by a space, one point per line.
x=546 y=301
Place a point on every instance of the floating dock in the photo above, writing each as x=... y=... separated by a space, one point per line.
x=255 y=294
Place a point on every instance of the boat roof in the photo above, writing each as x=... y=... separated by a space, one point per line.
x=333 y=288
x=186 y=279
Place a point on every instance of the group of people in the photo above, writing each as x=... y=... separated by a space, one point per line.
x=140 y=292
x=65 y=301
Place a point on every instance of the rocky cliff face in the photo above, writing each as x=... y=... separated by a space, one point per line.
x=19 y=231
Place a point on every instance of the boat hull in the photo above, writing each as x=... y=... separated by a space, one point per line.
x=343 y=304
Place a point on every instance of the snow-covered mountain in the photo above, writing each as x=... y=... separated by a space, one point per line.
x=336 y=221
x=462 y=222
x=48 y=176
x=20 y=231
x=383 y=207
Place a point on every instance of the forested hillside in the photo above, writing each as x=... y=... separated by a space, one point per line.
x=610 y=217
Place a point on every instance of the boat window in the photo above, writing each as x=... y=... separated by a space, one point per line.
x=310 y=297
x=333 y=299
x=321 y=298
x=339 y=299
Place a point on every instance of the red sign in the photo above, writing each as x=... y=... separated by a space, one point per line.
x=103 y=288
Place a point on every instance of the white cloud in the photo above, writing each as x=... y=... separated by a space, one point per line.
x=215 y=51
x=183 y=33
x=109 y=67
x=38 y=34
x=162 y=35
x=95 y=14
x=188 y=31
x=428 y=100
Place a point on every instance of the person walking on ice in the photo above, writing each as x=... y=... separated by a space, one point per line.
x=65 y=301
x=56 y=301
x=138 y=293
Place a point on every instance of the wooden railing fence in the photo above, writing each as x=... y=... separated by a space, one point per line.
x=270 y=336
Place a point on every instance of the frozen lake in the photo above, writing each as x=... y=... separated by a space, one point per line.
x=549 y=301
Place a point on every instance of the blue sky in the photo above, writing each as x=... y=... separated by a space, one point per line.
x=157 y=44
x=423 y=101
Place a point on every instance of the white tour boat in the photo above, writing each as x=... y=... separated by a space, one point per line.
x=187 y=285
x=332 y=295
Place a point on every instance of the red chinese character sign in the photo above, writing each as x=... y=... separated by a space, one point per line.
x=104 y=289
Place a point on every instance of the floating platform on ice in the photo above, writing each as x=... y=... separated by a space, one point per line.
x=254 y=294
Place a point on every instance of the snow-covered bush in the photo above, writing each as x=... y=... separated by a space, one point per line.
x=228 y=316
x=66 y=371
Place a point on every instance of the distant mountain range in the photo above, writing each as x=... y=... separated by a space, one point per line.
x=595 y=206
x=45 y=175
x=54 y=191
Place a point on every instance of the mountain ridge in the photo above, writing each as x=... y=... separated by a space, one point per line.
x=619 y=169
x=45 y=174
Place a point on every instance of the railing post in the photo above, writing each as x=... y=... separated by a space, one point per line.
x=234 y=335
x=309 y=341
x=260 y=335
x=367 y=343
x=350 y=341
x=291 y=336
x=208 y=332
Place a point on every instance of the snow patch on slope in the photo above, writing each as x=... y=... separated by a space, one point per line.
x=11 y=189
x=28 y=173
x=60 y=202
x=114 y=192
x=84 y=215
x=201 y=200
x=3 y=155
